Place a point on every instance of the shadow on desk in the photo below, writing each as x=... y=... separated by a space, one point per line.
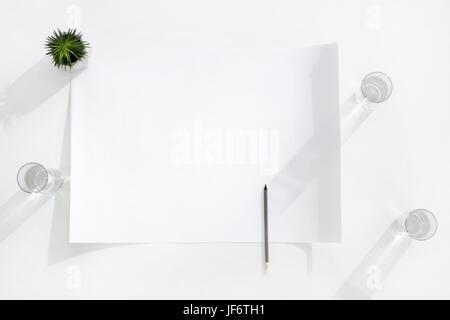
x=32 y=89
x=22 y=96
x=17 y=209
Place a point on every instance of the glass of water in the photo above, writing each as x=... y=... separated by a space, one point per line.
x=35 y=178
x=421 y=224
x=376 y=87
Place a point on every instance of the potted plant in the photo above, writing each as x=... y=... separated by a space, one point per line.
x=66 y=48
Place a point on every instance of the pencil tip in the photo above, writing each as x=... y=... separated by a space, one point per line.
x=266 y=265
x=265 y=187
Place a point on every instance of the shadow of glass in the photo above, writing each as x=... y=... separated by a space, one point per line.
x=368 y=276
x=354 y=112
x=15 y=211
x=33 y=88
x=60 y=248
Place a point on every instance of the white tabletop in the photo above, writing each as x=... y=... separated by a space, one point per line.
x=396 y=161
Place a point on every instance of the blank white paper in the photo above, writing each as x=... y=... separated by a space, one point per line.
x=176 y=145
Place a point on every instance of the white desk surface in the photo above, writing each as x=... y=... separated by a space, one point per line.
x=396 y=161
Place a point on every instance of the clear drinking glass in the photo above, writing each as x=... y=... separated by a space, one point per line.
x=421 y=224
x=376 y=87
x=35 y=178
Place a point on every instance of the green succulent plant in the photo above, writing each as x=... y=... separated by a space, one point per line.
x=66 y=47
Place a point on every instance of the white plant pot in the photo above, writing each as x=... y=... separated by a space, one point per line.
x=81 y=64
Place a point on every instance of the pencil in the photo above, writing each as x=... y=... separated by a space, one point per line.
x=266 y=229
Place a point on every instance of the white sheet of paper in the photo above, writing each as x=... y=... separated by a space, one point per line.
x=176 y=145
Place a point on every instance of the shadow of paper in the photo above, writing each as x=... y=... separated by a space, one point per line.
x=32 y=89
x=316 y=160
x=368 y=276
x=307 y=250
x=59 y=247
x=18 y=208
